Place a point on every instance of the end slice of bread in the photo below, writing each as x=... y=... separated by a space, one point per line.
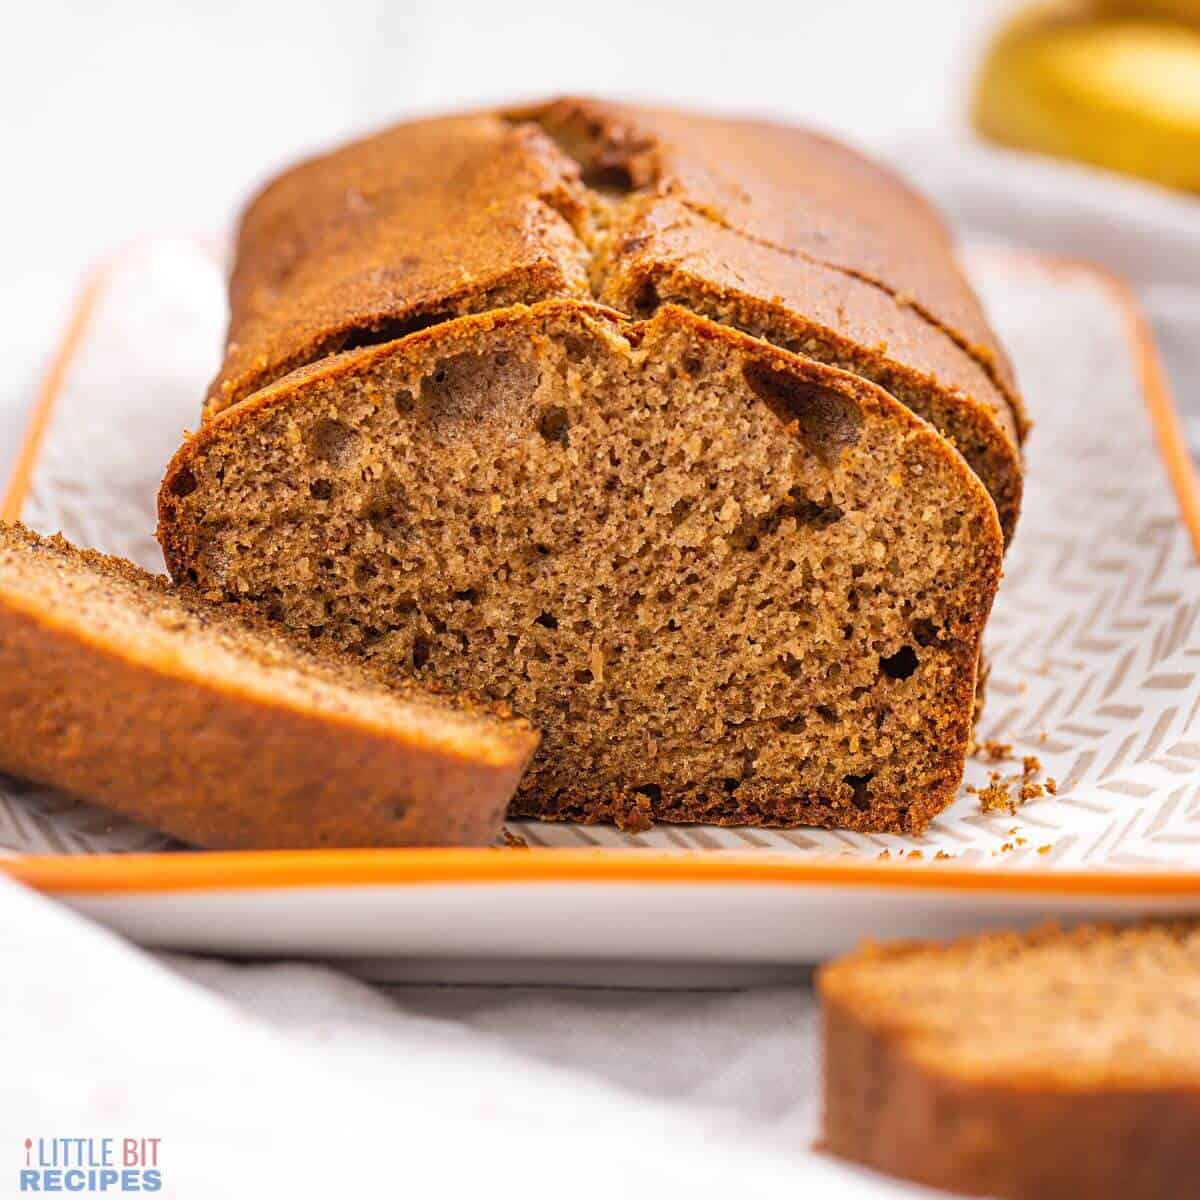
x=1033 y=1066
x=203 y=722
x=728 y=583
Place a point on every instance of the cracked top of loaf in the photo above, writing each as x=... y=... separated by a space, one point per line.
x=775 y=230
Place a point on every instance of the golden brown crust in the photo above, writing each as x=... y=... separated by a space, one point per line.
x=219 y=761
x=1046 y=1131
x=421 y=223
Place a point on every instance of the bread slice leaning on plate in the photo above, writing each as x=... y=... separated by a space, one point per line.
x=207 y=723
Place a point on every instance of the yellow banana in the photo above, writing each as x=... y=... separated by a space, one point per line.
x=1100 y=83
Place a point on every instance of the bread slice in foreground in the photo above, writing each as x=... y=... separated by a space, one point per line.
x=202 y=722
x=729 y=584
x=1042 y=1066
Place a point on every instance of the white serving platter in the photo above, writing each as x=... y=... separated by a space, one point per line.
x=1095 y=645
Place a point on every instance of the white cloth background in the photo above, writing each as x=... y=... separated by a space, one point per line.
x=289 y=1079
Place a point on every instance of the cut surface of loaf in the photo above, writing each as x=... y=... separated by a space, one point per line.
x=206 y=723
x=729 y=583
x=1040 y=1066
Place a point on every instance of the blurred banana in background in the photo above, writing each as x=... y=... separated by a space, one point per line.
x=1115 y=83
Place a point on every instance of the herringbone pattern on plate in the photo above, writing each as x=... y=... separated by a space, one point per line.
x=1095 y=642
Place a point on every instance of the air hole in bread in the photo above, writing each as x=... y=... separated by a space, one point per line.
x=390 y=331
x=399 y=809
x=546 y=620
x=420 y=652
x=320 y=489
x=858 y=785
x=388 y=524
x=925 y=632
x=816 y=516
x=791 y=666
x=332 y=442
x=614 y=178
x=827 y=421
x=553 y=424
x=680 y=511
x=650 y=790
x=184 y=484
x=645 y=300
x=797 y=506
x=405 y=402
x=901 y=664
x=468 y=386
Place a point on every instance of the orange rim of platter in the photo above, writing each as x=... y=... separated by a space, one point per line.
x=219 y=871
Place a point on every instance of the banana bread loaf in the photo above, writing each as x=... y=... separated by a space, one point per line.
x=203 y=722
x=699 y=458
x=1043 y=1066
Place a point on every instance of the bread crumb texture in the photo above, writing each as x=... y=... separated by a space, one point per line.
x=695 y=582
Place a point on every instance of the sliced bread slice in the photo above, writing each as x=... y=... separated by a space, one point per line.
x=205 y=723
x=1041 y=1066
